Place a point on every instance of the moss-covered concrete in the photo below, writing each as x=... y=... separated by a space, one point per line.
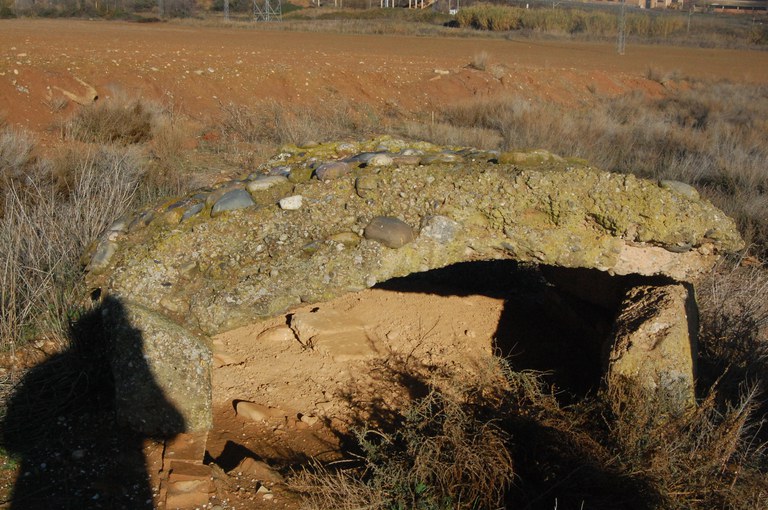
x=214 y=274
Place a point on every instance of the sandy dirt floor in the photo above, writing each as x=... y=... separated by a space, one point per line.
x=283 y=389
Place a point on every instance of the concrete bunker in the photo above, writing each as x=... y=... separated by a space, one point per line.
x=319 y=222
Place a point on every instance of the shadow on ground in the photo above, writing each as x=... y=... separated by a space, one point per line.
x=60 y=423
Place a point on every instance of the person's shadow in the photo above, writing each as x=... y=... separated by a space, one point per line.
x=61 y=423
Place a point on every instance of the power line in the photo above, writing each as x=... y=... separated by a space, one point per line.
x=270 y=10
x=621 y=44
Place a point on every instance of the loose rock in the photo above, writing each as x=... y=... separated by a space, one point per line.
x=258 y=412
x=277 y=334
x=259 y=470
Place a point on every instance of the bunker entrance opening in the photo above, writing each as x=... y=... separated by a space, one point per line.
x=553 y=320
x=332 y=359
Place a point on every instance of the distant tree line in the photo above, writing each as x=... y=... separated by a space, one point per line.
x=98 y=8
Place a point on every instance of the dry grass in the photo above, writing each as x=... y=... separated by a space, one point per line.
x=123 y=151
x=734 y=334
x=455 y=446
x=594 y=22
x=161 y=131
x=442 y=457
x=115 y=121
x=277 y=124
x=16 y=154
x=43 y=233
x=444 y=133
x=444 y=452
x=709 y=457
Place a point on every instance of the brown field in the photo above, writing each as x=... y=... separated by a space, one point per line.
x=47 y=67
x=197 y=69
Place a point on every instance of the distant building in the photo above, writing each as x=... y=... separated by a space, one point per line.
x=729 y=5
x=738 y=5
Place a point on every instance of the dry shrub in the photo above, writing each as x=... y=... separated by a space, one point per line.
x=453 y=447
x=734 y=330
x=707 y=457
x=281 y=124
x=758 y=34
x=447 y=451
x=164 y=133
x=442 y=133
x=168 y=172
x=43 y=233
x=480 y=61
x=593 y=23
x=57 y=104
x=112 y=121
x=16 y=154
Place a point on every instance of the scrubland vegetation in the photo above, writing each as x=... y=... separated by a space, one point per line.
x=499 y=438
x=504 y=438
x=605 y=23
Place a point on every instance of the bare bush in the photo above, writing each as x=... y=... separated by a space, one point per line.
x=280 y=124
x=705 y=458
x=16 y=153
x=480 y=61
x=734 y=333
x=116 y=121
x=168 y=172
x=445 y=450
x=43 y=234
x=447 y=134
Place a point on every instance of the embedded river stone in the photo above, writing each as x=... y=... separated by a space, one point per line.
x=332 y=170
x=232 y=200
x=390 y=232
x=264 y=182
